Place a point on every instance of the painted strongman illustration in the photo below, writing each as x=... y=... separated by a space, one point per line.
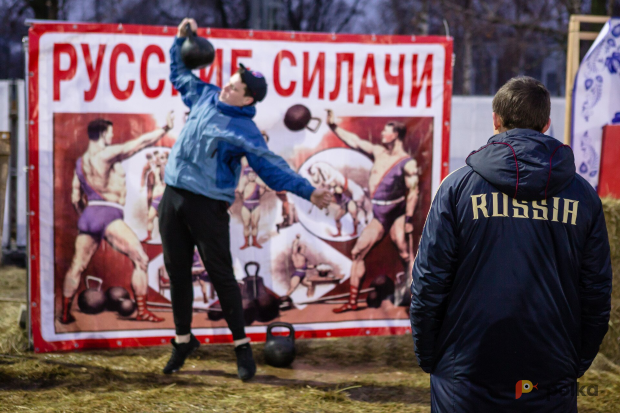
x=199 y=273
x=348 y=195
x=250 y=191
x=155 y=187
x=98 y=194
x=393 y=186
x=300 y=262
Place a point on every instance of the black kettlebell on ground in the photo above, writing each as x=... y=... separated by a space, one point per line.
x=196 y=52
x=114 y=295
x=92 y=300
x=280 y=350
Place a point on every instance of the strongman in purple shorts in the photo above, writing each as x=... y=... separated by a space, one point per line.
x=250 y=190
x=199 y=273
x=393 y=186
x=300 y=262
x=98 y=195
x=155 y=187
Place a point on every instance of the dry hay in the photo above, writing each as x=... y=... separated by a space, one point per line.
x=611 y=344
x=13 y=340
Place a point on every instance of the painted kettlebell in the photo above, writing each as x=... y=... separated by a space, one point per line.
x=91 y=300
x=280 y=350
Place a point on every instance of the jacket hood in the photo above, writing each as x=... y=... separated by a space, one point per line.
x=524 y=164
x=235 y=111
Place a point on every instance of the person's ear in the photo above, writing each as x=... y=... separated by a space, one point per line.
x=248 y=100
x=497 y=123
x=547 y=126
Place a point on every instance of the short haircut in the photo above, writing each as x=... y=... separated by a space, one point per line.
x=247 y=91
x=97 y=127
x=399 y=128
x=523 y=102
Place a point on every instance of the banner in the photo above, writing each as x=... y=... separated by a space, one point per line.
x=596 y=100
x=95 y=244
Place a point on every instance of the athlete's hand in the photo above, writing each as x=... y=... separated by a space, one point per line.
x=181 y=29
x=170 y=119
x=321 y=198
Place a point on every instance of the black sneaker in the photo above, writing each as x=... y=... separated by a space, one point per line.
x=179 y=353
x=246 y=368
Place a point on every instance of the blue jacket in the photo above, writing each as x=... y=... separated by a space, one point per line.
x=206 y=158
x=512 y=280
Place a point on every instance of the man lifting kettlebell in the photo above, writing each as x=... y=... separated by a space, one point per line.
x=201 y=176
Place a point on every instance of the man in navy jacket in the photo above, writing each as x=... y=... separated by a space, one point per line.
x=201 y=176
x=511 y=288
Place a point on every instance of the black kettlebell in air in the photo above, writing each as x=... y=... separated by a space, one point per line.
x=196 y=52
x=280 y=350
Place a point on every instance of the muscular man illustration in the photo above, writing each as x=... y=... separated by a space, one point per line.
x=199 y=273
x=155 y=187
x=393 y=186
x=98 y=194
x=300 y=262
x=250 y=190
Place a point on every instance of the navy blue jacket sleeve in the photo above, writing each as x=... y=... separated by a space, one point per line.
x=594 y=290
x=274 y=170
x=433 y=274
x=188 y=84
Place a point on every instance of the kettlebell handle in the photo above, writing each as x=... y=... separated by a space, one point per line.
x=188 y=31
x=249 y=264
x=92 y=277
x=316 y=127
x=281 y=324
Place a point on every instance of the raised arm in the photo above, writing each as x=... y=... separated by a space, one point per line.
x=411 y=182
x=295 y=244
x=188 y=84
x=349 y=138
x=118 y=153
x=77 y=195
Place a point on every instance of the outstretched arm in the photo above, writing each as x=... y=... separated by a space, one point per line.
x=278 y=175
x=76 y=194
x=118 y=153
x=349 y=138
x=411 y=181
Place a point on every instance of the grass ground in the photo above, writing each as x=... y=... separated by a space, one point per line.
x=362 y=374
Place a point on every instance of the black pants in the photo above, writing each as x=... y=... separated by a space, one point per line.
x=186 y=220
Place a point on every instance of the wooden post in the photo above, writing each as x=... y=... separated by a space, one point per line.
x=5 y=152
x=575 y=35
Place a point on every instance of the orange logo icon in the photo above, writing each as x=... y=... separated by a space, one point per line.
x=524 y=386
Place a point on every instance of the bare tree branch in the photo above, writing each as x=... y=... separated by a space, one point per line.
x=352 y=13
